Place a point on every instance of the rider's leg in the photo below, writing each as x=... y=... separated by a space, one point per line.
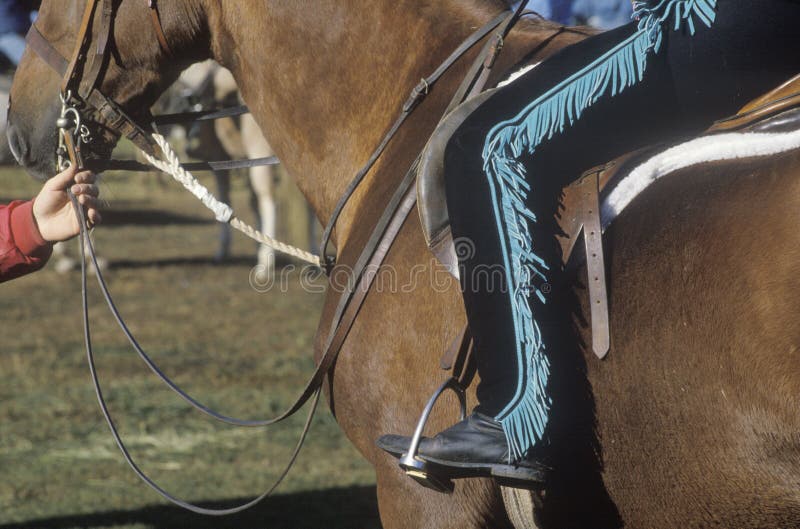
x=500 y=171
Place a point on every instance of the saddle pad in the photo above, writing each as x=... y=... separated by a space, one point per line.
x=769 y=137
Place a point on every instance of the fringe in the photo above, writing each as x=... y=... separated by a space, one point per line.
x=525 y=418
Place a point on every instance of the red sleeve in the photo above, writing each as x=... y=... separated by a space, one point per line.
x=22 y=249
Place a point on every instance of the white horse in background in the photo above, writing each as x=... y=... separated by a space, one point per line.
x=234 y=138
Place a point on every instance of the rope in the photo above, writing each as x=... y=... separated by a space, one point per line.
x=171 y=165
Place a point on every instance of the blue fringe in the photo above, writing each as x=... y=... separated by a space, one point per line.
x=525 y=417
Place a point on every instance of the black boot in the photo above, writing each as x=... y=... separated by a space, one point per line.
x=474 y=447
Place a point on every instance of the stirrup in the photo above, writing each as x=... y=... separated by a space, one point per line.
x=421 y=471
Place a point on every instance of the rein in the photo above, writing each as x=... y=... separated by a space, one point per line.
x=80 y=92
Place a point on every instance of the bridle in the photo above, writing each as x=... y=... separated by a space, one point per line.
x=83 y=73
x=82 y=76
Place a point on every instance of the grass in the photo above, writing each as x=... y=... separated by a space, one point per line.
x=244 y=352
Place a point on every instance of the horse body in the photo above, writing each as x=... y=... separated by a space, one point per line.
x=693 y=408
x=697 y=403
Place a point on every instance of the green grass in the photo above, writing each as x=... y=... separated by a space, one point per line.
x=244 y=352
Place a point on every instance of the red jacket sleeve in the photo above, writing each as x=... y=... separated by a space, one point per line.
x=22 y=249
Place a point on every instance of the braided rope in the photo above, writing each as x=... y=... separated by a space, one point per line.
x=222 y=212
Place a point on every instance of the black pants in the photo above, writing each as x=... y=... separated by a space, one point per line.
x=752 y=46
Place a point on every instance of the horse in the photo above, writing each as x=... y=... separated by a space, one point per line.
x=690 y=422
x=208 y=85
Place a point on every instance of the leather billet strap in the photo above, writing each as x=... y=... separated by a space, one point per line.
x=595 y=264
x=581 y=215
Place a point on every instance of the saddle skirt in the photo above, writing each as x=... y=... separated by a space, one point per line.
x=767 y=125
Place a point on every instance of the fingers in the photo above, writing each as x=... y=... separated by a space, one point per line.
x=85 y=177
x=85 y=189
x=61 y=180
x=89 y=202
x=90 y=205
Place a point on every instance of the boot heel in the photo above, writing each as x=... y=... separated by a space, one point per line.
x=423 y=474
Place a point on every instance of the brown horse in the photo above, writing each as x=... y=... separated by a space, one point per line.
x=691 y=422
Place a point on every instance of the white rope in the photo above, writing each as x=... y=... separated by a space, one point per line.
x=222 y=212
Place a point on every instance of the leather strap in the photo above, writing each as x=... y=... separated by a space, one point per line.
x=156 y=19
x=72 y=75
x=86 y=243
x=581 y=202
x=114 y=117
x=96 y=61
x=483 y=66
x=223 y=165
x=417 y=94
x=449 y=357
x=370 y=259
x=46 y=51
x=201 y=115
x=595 y=264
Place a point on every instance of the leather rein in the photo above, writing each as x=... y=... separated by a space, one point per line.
x=82 y=76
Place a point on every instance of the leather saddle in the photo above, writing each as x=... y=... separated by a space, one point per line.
x=775 y=111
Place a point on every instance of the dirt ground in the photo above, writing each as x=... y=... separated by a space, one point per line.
x=245 y=352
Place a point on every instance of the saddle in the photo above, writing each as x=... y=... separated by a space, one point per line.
x=775 y=111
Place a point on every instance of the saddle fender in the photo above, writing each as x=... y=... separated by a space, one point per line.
x=431 y=196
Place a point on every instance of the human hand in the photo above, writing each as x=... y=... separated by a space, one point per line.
x=52 y=208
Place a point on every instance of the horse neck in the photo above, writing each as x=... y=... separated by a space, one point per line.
x=325 y=83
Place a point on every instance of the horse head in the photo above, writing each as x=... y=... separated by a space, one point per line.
x=121 y=47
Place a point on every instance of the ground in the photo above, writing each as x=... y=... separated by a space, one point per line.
x=245 y=352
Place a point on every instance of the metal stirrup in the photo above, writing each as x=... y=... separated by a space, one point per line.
x=415 y=467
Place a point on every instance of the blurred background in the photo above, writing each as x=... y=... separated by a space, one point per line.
x=603 y=14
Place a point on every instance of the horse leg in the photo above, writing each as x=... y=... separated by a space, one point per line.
x=223 y=179
x=262 y=181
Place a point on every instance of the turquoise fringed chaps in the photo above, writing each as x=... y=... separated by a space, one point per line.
x=525 y=417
